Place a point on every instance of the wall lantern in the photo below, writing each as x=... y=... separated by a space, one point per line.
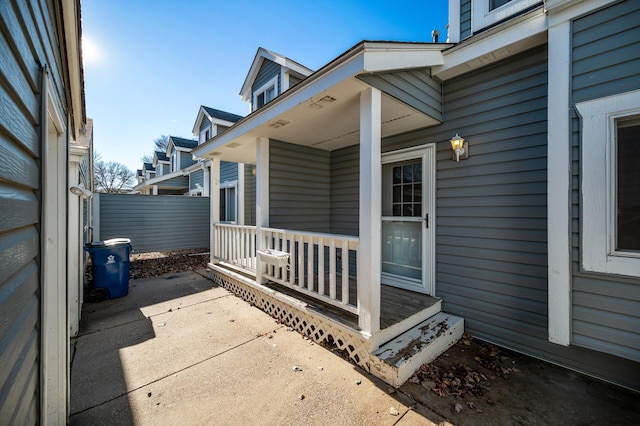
x=460 y=147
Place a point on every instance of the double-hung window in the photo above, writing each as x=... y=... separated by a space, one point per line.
x=610 y=186
x=265 y=93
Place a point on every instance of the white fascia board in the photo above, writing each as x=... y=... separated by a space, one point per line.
x=72 y=39
x=565 y=10
x=196 y=126
x=344 y=68
x=387 y=57
x=156 y=180
x=505 y=40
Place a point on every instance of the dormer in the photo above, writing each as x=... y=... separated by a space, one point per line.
x=139 y=176
x=148 y=171
x=211 y=121
x=179 y=152
x=161 y=163
x=469 y=17
x=270 y=75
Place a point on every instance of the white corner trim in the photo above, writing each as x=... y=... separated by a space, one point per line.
x=558 y=185
x=598 y=184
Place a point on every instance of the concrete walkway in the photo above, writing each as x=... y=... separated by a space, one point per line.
x=178 y=351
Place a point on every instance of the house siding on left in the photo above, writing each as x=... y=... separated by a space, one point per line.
x=27 y=42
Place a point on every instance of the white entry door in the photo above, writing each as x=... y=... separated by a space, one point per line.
x=408 y=219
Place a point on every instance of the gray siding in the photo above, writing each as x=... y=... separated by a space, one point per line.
x=27 y=42
x=196 y=177
x=205 y=124
x=220 y=129
x=345 y=188
x=605 y=61
x=186 y=159
x=301 y=174
x=249 y=195
x=176 y=182
x=465 y=19
x=158 y=223
x=268 y=70
x=415 y=88
x=228 y=171
x=491 y=212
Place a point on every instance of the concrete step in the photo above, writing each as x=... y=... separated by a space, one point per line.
x=398 y=359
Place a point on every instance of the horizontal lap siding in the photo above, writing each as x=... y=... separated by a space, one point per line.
x=186 y=159
x=605 y=61
x=155 y=223
x=268 y=70
x=196 y=177
x=465 y=19
x=345 y=191
x=228 y=171
x=300 y=186
x=27 y=42
x=249 y=195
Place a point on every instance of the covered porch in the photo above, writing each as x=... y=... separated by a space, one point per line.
x=295 y=263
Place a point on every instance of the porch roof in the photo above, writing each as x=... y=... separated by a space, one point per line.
x=323 y=111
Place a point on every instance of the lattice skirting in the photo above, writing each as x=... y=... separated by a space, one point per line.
x=315 y=327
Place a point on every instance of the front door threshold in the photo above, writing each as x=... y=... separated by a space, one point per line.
x=397 y=360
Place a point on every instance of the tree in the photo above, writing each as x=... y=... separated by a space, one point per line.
x=110 y=176
x=159 y=144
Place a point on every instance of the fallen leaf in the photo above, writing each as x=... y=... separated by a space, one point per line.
x=458 y=407
x=393 y=411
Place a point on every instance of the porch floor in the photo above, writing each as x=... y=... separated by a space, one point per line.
x=396 y=304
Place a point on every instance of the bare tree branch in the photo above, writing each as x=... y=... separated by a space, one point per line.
x=111 y=177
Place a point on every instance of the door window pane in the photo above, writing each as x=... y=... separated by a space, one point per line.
x=402 y=249
x=406 y=189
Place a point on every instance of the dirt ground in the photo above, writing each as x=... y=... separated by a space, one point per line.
x=475 y=383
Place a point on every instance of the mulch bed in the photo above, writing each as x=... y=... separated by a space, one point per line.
x=146 y=265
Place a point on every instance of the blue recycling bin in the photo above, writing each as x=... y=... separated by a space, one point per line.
x=110 y=267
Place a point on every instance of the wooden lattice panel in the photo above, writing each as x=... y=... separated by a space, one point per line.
x=317 y=328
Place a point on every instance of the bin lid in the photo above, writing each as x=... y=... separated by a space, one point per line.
x=111 y=242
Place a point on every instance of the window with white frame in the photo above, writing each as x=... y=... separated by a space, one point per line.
x=485 y=13
x=611 y=184
x=265 y=93
x=228 y=202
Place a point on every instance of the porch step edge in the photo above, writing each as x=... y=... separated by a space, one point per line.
x=397 y=360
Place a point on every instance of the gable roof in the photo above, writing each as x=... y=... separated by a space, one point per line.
x=222 y=115
x=283 y=61
x=182 y=142
x=216 y=116
x=149 y=166
x=161 y=156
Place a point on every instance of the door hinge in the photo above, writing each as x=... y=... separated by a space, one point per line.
x=426 y=220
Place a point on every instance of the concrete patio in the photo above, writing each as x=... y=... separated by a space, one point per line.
x=177 y=350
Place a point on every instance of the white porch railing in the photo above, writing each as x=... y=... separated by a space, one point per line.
x=321 y=266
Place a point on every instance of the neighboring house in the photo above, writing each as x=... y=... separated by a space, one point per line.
x=370 y=225
x=176 y=172
x=46 y=151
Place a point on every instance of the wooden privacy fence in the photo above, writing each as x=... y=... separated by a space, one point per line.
x=153 y=222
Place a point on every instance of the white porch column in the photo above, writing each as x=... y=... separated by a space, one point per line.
x=206 y=179
x=155 y=189
x=214 y=200
x=240 y=195
x=369 y=251
x=262 y=198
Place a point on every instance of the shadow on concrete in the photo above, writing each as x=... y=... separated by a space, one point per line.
x=99 y=384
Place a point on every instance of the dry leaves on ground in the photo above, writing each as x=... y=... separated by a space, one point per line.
x=146 y=265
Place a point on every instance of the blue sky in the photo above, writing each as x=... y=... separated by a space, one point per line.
x=149 y=65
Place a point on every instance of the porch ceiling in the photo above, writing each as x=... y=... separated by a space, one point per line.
x=328 y=121
x=323 y=111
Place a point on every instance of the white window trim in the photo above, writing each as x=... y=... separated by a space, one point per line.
x=231 y=184
x=482 y=17
x=598 y=184
x=273 y=82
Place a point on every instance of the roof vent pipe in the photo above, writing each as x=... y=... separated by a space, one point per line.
x=435 y=34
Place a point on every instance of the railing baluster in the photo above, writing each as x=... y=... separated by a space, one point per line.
x=321 y=266
x=332 y=269
x=345 y=272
